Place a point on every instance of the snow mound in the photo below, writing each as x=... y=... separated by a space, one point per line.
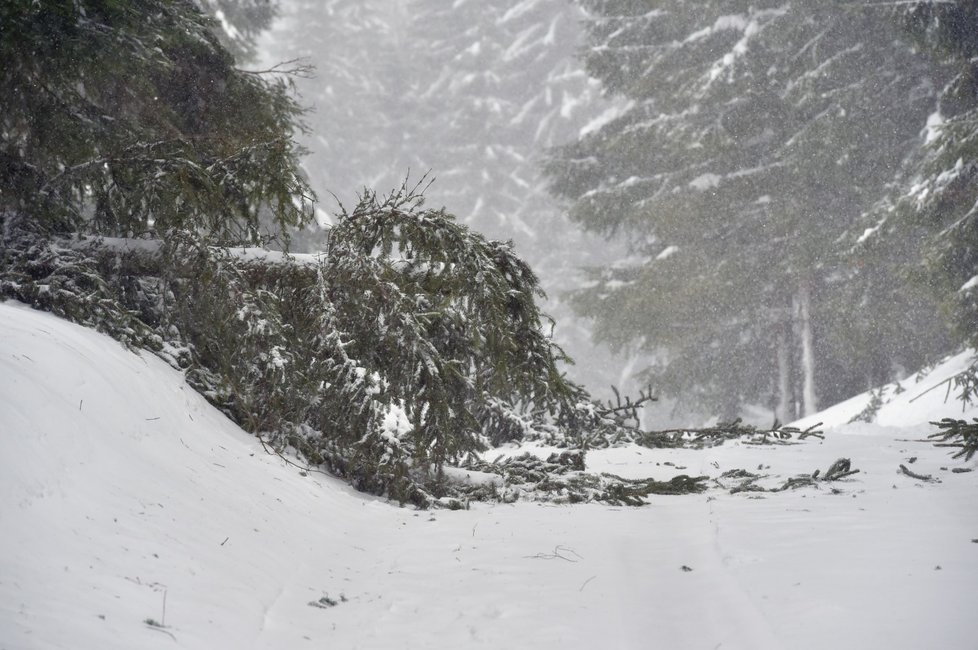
x=134 y=515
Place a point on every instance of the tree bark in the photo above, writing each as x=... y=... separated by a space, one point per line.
x=809 y=400
x=785 y=410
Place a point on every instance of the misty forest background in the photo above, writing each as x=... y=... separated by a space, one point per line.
x=754 y=204
x=760 y=208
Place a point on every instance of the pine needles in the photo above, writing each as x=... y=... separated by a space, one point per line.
x=958 y=434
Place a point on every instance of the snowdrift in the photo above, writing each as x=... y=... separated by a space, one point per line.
x=134 y=515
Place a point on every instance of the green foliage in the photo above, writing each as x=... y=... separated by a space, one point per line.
x=473 y=91
x=921 y=240
x=124 y=118
x=957 y=433
x=134 y=154
x=945 y=26
x=65 y=277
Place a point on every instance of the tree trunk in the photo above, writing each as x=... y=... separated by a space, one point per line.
x=809 y=401
x=785 y=410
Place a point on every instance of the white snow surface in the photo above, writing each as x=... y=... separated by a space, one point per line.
x=122 y=490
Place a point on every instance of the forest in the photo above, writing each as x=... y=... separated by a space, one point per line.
x=447 y=324
x=759 y=209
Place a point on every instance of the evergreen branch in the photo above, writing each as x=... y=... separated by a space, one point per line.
x=966 y=381
x=957 y=433
x=628 y=410
x=840 y=469
x=67 y=172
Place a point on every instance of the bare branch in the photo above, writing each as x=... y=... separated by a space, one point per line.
x=300 y=68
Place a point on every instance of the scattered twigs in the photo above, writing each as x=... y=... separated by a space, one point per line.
x=868 y=414
x=325 y=602
x=840 y=469
x=159 y=626
x=934 y=387
x=628 y=410
x=920 y=477
x=717 y=435
x=558 y=553
x=561 y=479
x=153 y=625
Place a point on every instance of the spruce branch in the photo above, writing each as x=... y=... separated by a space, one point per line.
x=957 y=433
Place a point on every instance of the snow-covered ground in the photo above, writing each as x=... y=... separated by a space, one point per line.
x=124 y=497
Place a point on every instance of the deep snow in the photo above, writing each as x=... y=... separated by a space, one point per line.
x=120 y=487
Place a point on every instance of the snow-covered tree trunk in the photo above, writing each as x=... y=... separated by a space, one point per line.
x=809 y=402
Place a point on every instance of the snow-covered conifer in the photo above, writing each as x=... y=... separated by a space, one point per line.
x=754 y=136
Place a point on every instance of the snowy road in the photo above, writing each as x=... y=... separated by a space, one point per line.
x=120 y=487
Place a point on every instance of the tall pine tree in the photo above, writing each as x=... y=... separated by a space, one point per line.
x=944 y=196
x=755 y=135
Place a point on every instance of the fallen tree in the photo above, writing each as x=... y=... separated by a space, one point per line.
x=409 y=343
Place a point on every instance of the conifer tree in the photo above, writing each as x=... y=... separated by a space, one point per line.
x=943 y=198
x=126 y=118
x=754 y=136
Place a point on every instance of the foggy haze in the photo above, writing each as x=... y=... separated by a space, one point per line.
x=473 y=94
x=725 y=168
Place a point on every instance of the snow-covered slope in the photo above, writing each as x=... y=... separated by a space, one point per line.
x=924 y=397
x=122 y=491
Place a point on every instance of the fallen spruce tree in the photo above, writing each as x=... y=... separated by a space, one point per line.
x=409 y=343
